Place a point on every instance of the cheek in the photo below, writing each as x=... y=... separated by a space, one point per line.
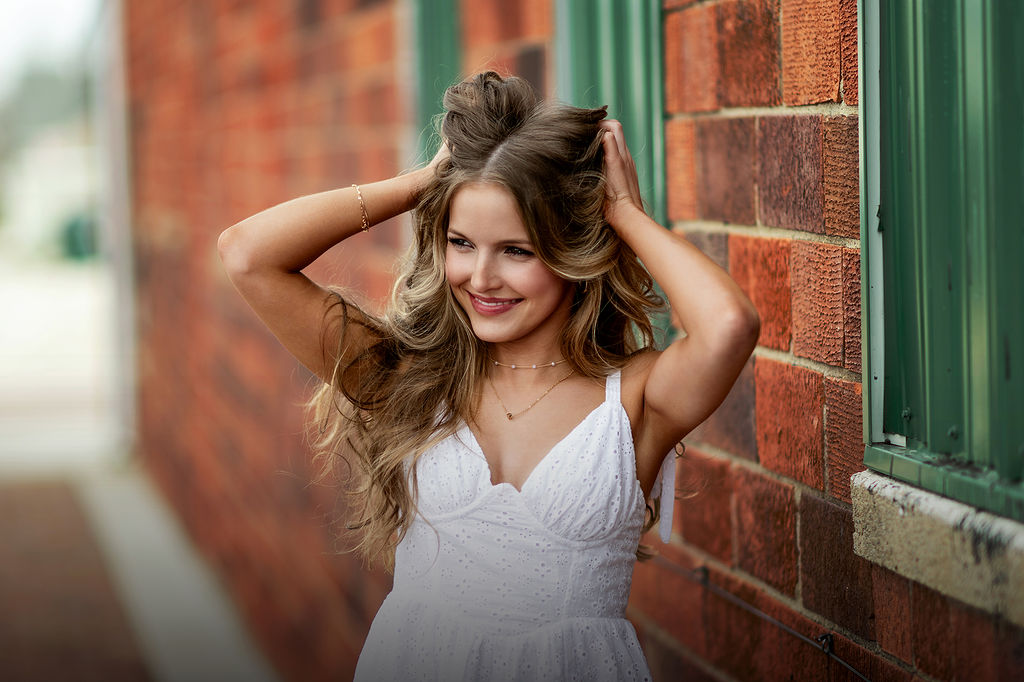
x=453 y=268
x=541 y=282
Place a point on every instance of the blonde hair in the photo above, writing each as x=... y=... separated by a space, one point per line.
x=416 y=380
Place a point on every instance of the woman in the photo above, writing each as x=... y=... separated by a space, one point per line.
x=508 y=415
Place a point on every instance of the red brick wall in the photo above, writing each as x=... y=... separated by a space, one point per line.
x=236 y=106
x=762 y=164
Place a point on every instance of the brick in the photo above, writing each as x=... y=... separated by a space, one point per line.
x=790 y=434
x=667 y=663
x=868 y=663
x=705 y=518
x=789 y=178
x=891 y=598
x=844 y=435
x=761 y=267
x=538 y=19
x=662 y=595
x=818 y=313
x=748 y=53
x=726 y=158
x=731 y=426
x=732 y=633
x=749 y=648
x=834 y=582
x=680 y=169
x=370 y=40
x=974 y=643
x=714 y=245
x=848 y=50
x=486 y=22
x=691 y=60
x=851 y=310
x=766 y=530
x=810 y=51
x=841 y=176
x=1009 y=645
x=931 y=634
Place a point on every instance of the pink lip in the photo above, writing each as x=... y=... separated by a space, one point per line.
x=493 y=306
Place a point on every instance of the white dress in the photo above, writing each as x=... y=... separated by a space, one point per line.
x=493 y=583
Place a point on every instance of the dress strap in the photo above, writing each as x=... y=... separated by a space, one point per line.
x=612 y=386
x=665 y=490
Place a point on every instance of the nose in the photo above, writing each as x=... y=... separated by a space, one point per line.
x=484 y=277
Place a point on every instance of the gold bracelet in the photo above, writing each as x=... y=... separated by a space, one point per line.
x=362 y=209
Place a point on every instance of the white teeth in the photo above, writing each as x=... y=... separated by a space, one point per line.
x=493 y=304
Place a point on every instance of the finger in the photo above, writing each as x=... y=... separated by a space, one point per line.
x=614 y=127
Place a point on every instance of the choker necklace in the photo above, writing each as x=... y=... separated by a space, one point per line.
x=553 y=363
x=510 y=415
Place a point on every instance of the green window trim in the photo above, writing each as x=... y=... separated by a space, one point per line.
x=943 y=172
x=610 y=52
x=436 y=25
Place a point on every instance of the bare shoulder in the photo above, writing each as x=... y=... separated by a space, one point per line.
x=634 y=379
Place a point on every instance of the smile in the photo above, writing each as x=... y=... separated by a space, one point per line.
x=493 y=306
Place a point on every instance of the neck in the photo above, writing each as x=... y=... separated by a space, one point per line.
x=502 y=355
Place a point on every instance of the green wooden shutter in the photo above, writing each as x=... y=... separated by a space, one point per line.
x=950 y=103
x=610 y=52
x=437 y=64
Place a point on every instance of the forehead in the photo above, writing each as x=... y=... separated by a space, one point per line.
x=486 y=209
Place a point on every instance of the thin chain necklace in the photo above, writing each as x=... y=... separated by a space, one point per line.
x=508 y=413
x=540 y=366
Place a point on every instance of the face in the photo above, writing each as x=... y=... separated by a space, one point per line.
x=509 y=295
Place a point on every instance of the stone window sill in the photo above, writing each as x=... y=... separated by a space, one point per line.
x=960 y=551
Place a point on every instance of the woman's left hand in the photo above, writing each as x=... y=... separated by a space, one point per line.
x=622 y=187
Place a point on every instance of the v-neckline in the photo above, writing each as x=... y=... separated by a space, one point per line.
x=475 y=446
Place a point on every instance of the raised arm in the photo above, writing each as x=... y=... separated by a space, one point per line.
x=265 y=253
x=686 y=382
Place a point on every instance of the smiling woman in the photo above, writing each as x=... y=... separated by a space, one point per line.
x=513 y=530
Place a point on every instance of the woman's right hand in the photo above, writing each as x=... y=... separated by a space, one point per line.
x=442 y=153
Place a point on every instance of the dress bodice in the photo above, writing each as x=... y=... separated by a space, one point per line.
x=562 y=546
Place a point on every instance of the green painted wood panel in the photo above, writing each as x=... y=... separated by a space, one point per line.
x=610 y=52
x=438 y=55
x=1003 y=65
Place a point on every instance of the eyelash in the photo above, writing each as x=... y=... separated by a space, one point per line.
x=459 y=242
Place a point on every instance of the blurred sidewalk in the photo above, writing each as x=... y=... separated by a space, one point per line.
x=97 y=579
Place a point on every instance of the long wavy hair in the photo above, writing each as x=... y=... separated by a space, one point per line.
x=416 y=377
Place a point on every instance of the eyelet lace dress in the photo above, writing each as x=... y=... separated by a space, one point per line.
x=495 y=583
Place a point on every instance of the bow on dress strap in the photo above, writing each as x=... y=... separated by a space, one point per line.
x=665 y=490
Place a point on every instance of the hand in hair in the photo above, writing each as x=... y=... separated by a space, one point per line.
x=442 y=153
x=622 y=186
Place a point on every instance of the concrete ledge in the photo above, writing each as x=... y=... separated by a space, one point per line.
x=970 y=555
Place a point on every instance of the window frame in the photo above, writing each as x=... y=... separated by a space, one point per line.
x=438 y=41
x=972 y=465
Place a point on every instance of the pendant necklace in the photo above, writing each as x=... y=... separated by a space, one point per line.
x=508 y=413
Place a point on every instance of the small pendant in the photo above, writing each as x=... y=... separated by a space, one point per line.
x=509 y=415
